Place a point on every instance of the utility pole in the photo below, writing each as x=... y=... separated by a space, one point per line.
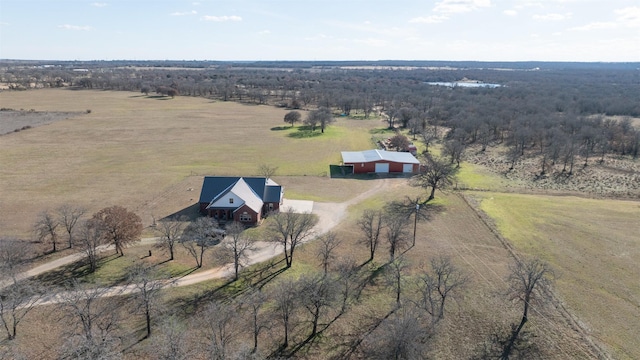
x=415 y=223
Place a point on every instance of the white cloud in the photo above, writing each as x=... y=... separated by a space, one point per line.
x=97 y=4
x=372 y=42
x=595 y=26
x=184 y=13
x=510 y=12
x=221 y=18
x=317 y=37
x=552 y=17
x=460 y=6
x=443 y=9
x=432 y=19
x=264 y=32
x=629 y=16
x=74 y=27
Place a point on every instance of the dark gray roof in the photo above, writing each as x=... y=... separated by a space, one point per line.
x=213 y=186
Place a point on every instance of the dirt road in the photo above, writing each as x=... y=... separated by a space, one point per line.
x=329 y=216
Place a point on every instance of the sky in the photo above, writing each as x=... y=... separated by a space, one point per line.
x=249 y=30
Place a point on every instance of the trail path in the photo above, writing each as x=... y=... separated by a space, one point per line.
x=329 y=216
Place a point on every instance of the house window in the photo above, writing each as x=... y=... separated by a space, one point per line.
x=244 y=217
x=230 y=200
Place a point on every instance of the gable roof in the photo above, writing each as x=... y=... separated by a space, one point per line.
x=265 y=189
x=377 y=155
x=243 y=191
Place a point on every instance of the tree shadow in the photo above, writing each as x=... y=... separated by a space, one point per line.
x=231 y=288
x=191 y=212
x=280 y=128
x=304 y=132
x=79 y=269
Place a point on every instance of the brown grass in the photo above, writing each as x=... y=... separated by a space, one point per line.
x=149 y=155
x=137 y=151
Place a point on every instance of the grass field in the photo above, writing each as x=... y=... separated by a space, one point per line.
x=595 y=248
x=150 y=155
x=133 y=150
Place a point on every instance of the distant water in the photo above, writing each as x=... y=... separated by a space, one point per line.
x=465 y=84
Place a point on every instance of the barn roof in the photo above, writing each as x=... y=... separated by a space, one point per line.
x=378 y=155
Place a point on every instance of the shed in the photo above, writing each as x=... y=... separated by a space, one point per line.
x=380 y=161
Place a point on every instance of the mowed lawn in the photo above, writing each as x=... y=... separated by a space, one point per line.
x=594 y=245
x=130 y=149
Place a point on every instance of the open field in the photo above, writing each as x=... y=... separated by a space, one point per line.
x=149 y=154
x=594 y=247
x=132 y=150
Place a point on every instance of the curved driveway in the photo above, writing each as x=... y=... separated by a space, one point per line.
x=329 y=216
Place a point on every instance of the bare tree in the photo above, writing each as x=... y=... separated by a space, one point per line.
x=321 y=117
x=400 y=336
x=290 y=229
x=199 y=236
x=267 y=170
x=348 y=279
x=285 y=297
x=454 y=148
x=237 y=245
x=436 y=174
x=400 y=142
x=91 y=237
x=220 y=328
x=428 y=135
x=46 y=228
x=292 y=117
x=412 y=207
x=121 y=226
x=438 y=285
x=396 y=232
x=147 y=282
x=170 y=231
x=69 y=216
x=94 y=322
x=371 y=224
x=254 y=300
x=525 y=277
x=394 y=273
x=16 y=301
x=171 y=341
x=317 y=294
x=328 y=244
x=13 y=255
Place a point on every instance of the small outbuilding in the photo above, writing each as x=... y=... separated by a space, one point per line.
x=380 y=161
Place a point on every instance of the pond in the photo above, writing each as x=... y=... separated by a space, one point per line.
x=468 y=84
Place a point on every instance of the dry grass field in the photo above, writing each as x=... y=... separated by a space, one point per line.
x=595 y=248
x=149 y=154
x=137 y=151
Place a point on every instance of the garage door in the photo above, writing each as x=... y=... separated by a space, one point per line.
x=382 y=167
x=407 y=168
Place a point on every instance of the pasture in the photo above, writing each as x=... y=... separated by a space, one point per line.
x=594 y=247
x=149 y=154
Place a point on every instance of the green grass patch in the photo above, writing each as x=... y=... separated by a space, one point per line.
x=593 y=246
x=472 y=176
